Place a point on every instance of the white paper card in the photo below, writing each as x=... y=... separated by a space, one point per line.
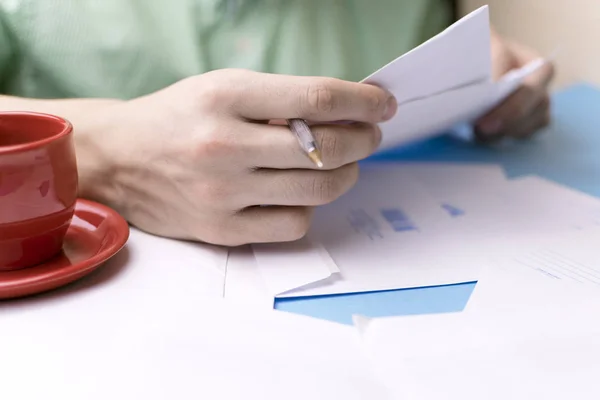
x=445 y=81
x=244 y=284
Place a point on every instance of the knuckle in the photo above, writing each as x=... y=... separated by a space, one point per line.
x=374 y=102
x=332 y=148
x=297 y=223
x=214 y=142
x=375 y=137
x=354 y=173
x=320 y=98
x=228 y=240
x=518 y=106
x=213 y=90
x=211 y=95
x=545 y=102
x=326 y=187
x=519 y=111
x=216 y=234
x=546 y=119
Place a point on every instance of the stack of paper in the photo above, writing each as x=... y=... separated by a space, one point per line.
x=413 y=225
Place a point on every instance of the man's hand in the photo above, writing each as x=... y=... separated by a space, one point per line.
x=525 y=111
x=198 y=159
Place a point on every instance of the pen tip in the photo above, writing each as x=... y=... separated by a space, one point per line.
x=315 y=156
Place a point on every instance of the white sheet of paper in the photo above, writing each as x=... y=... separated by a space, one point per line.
x=524 y=208
x=446 y=181
x=514 y=218
x=186 y=351
x=287 y=266
x=576 y=208
x=570 y=257
x=244 y=284
x=378 y=233
x=526 y=353
x=431 y=116
x=441 y=178
x=445 y=81
x=507 y=286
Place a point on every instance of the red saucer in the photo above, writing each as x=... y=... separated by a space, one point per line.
x=96 y=234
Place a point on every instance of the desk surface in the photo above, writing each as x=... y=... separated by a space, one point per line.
x=568 y=152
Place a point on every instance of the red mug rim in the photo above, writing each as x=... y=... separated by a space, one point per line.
x=15 y=148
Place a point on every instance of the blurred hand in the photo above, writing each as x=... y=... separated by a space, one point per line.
x=525 y=111
x=198 y=159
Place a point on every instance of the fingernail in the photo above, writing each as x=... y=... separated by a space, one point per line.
x=390 y=109
x=490 y=127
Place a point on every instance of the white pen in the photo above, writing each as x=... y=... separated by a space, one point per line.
x=306 y=139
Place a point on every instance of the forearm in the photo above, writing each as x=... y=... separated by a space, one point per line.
x=91 y=123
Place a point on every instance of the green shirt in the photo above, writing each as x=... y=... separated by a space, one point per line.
x=127 y=48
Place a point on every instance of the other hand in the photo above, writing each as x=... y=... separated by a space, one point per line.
x=525 y=111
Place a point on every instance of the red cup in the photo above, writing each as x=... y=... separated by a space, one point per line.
x=38 y=187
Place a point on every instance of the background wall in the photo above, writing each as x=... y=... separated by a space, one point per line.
x=571 y=26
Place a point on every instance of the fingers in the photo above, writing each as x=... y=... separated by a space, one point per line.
x=516 y=107
x=523 y=128
x=259 y=96
x=520 y=104
x=269 y=224
x=270 y=146
x=527 y=127
x=301 y=187
x=542 y=77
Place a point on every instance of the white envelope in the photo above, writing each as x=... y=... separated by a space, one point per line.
x=445 y=81
x=457 y=57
